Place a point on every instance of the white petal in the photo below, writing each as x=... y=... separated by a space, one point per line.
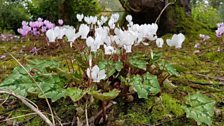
x=51 y=35
x=102 y=75
x=159 y=42
x=89 y=41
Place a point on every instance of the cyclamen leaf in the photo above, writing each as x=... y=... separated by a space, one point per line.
x=110 y=66
x=105 y=96
x=75 y=93
x=200 y=108
x=152 y=81
x=141 y=64
x=168 y=68
x=136 y=84
x=145 y=86
x=139 y=60
x=51 y=83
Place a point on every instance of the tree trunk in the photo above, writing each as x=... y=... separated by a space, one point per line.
x=147 y=11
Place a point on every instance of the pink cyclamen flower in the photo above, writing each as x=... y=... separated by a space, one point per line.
x=220 y=30
x=23 y=32
x=40 y=19
x=60 y=22
x=48 y=24
x=24 y=23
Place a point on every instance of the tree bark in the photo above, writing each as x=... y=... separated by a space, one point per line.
x=147 y=11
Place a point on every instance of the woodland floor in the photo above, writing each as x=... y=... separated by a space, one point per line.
x=201 y=70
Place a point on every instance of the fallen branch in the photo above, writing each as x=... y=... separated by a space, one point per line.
x=206 y=83
x=25 y=102
x=206 y=76
x=166 y=5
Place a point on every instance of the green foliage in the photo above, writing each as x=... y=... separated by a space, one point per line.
x=139 y=60
x=11 y=15
x=75 y=93
x=206 y=14
x=200 y=108
x=172 y=105
x=45 y=75
x=165 y=66
x=111 y=67
x=62 y=9
x=148 y=84
x=106 y=96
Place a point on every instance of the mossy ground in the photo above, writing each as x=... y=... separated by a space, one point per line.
x=201 y=70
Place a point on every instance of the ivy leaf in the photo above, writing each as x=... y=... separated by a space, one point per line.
x=200 y=108
x=75 y=93
x=105 y=96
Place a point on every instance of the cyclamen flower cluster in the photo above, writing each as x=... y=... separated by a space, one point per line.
x=220 y=30
x=110 y=37
x=133 y=35
x=36 y=27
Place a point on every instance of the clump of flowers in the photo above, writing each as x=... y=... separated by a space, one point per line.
x=109 y=53
x=37 y=27
x=104 y=32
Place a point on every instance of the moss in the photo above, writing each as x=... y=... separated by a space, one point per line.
x=172 y=105
x=186 y=24
x=6 y=67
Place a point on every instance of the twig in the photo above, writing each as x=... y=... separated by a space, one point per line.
x=18 y=117
x=206 y=83
x=167 y=4
x=5 y=100
x=206 y=76
x=49 y=106
x=22 y=99
x=86 y=113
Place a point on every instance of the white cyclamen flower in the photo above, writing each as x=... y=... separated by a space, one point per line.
x=93 y=19
x=127 y=39
x=71 y=35
x=129 y=18
x=93 y=44
x=79 y=17
x=176 y=40
x=115 y=17
x=159 y=42
x=84 y=31
x=87 y=20
x=51 y=35
x=109 y=50
x=60 y=31
x=104 y=19
x=111 y=23
x=96 y=74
